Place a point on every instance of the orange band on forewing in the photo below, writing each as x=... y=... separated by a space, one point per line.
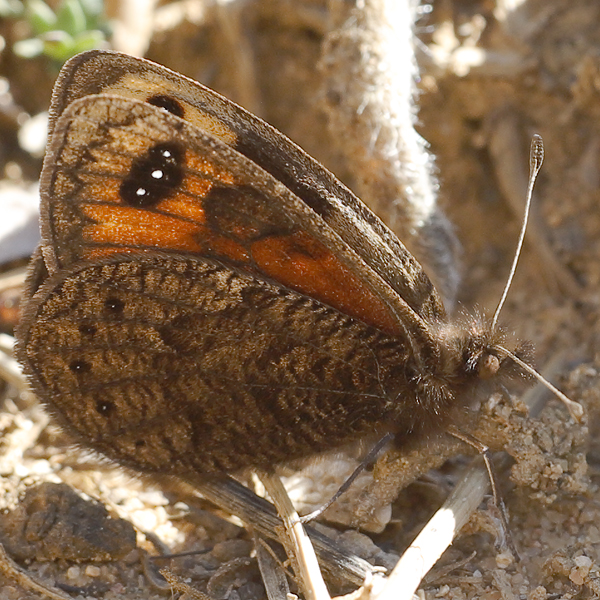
x=182 y=207
x=226 y=249
x=307 y=266
x=127 y=226
x=178 y=223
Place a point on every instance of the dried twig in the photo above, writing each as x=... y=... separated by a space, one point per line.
x=12 y=571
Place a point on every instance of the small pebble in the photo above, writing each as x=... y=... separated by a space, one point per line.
x=504 y=560
x=92 y=571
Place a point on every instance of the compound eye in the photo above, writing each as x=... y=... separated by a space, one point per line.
x=487 y=366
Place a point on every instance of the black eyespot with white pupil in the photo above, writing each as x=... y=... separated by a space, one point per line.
x=105 y=407
x=80 y=367
x=169 y=103
x=114 y=305
x=154 y=176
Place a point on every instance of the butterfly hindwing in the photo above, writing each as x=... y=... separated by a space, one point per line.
x=116 y=345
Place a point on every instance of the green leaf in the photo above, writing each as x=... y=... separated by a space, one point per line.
x=94 y=12
x=40 y=16
x=89 y=40
x=58 y=45
x=71 y=17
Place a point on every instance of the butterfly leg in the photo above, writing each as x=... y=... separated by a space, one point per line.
x=365 y=462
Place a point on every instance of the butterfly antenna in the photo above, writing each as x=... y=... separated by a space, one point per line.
x=536 y=158
x=575 y=409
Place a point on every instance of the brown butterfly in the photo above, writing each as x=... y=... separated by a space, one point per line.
x=208 y=298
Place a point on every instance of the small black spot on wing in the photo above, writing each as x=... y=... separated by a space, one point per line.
x=80 y=367
x=169 y=103
x=88 y=329
x=105 y=407
x=114 y=305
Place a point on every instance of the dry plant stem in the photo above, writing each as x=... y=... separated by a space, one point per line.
x=134 y=26
x=296 y=542
x=10 y=370
x=369 y=71
x=7 y=344
x=484 y=452
x=236 y=499
x=505 y=7
x=13 y=572
x=19 y=439
x=436 y=536
x=13 y=278
x=238 y=53
x=273 y=574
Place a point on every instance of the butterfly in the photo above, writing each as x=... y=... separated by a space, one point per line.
x=207 y=298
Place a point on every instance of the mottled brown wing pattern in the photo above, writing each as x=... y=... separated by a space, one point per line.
x=227 y=357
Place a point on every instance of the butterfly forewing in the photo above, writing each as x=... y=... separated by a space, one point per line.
x=122 y=176
x=219 y=117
